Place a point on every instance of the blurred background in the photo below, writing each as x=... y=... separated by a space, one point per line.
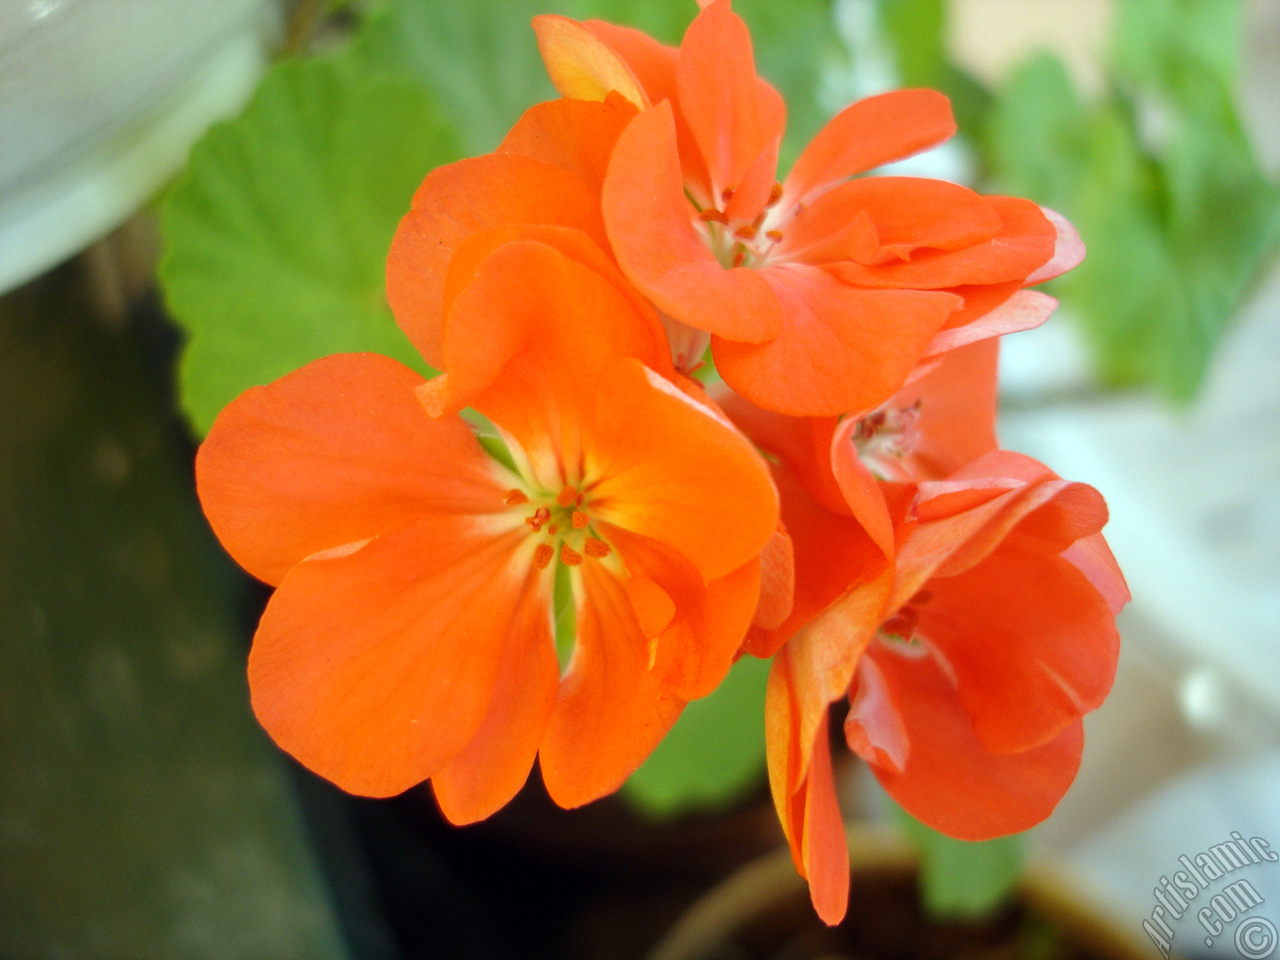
x=197 y=197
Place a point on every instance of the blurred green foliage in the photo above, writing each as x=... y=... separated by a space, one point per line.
x=961 y=879
x=1158 y=175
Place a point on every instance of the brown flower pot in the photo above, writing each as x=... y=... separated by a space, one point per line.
x=763 y=911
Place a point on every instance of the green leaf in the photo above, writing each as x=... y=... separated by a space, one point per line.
x=796 y=44
x=478 y=60
x=1153 y=38
x=714 y=753
x=276 y=236
x=960 y=879
x=916 y=30
x=1177 y=216
x=1038 y=133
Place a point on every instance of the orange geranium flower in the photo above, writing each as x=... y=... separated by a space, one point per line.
x=819 y=293
x=410 y=635
x=969 y=620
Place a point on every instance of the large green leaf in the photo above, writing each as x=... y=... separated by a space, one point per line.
x=276 y=236
x=961 y=879
x=713 y=754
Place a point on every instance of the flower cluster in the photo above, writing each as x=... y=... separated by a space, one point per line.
x=453 y=606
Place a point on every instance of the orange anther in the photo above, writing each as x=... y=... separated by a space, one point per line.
x=774 y=235
x=726 y=194
x=775 y=195
x=514 y=497
x=738 y=256
x=553 y=529
x=712 y=215
x=596 y=548
x=568 y=496
x=580 y=520
x=568 y=556
x=539 y=518
x=745 y=233
x=542 y=555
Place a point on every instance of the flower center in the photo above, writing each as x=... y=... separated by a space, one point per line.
x=900 y=628
x=885 y=438
x=737 y=242
x=565 y=523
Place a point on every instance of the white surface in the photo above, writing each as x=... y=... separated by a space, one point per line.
x=1185 y=818
x=99 y=102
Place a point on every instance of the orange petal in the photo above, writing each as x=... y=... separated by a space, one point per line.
x=612 y=709
x=650 y=223
x=777 y=586
x=804 y=794
x=753 y=191
x=861 y=492
x=654 y=65
x=824 y=850
x=801 y=444
x=672 y=470
x=495 y=763
x=461 y=199
x=1024 y=310
x=1001 y=494
x=333 y=454
x=694 y=649
x=870 y=133
x=843 y=582
x=580 y=64
x=1094 y=559
x=574 y=135
x=1024 y=243
x=1068 y=249
x=980 y=299
x=841 y=348
x=732 y=113
x=374 y=669
x=650 y=62
x=574 y=244
x=788 y=764
x=957 y=409
x=906 y=214
x=1031 y=644
x=951 y=781
x=528 y=341
x=873 y=727
x=833 y=556
x=653 y=607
